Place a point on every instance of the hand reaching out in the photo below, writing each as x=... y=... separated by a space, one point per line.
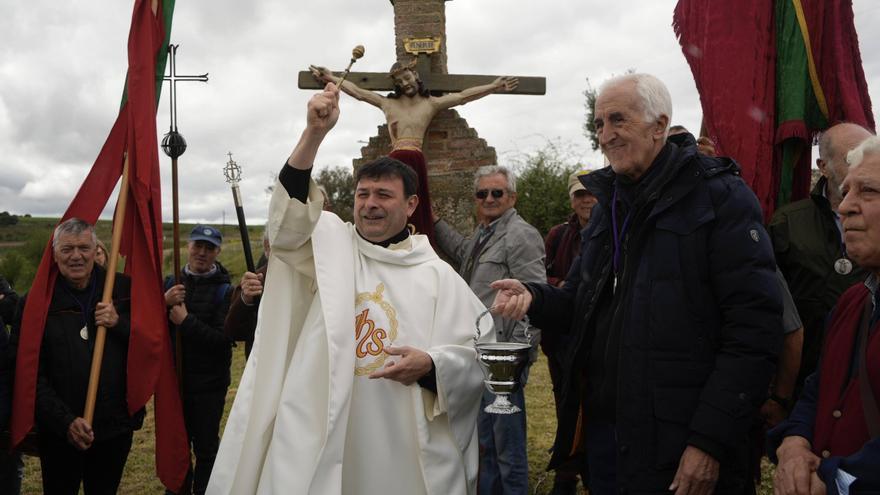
x=512 y=300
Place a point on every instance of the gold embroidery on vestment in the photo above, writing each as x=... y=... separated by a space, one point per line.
x=371 y=342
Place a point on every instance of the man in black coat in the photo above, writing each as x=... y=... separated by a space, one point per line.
x=72 y=451
x=197 y=309
x=674 y=310
x=11 y=464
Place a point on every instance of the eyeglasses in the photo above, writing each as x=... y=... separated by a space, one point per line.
x=484 y=193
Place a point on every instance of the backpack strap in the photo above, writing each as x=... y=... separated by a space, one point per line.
x=222 y=291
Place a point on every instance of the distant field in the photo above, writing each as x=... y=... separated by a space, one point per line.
x=30 y=235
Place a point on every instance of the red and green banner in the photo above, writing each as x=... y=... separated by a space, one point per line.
x=150 y=370
x=771 y=76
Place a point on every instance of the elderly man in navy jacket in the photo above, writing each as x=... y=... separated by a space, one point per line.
x=674 y=310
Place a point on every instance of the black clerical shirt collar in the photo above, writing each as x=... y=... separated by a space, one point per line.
x=403 y=234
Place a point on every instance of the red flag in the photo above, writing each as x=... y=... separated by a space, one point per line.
x=150 y=363
x=729 y=46
x=793 y=67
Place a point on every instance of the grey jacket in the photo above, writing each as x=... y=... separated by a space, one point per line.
x=515 y=250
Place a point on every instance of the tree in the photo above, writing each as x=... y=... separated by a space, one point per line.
x=338 y=182
x=590 y=95
x=7 y=219
x=542 y=185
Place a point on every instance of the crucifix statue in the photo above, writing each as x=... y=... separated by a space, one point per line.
x=421 y=89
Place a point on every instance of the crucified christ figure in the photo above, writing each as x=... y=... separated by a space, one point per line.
x=409 y=111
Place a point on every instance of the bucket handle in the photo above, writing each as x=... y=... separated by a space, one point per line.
x=524 y=321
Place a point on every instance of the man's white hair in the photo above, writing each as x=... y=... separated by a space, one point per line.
x=487 y=170
x=655 y=99
x=870 y=146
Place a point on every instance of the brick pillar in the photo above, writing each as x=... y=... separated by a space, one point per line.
x=453 y=151
x=421 y=19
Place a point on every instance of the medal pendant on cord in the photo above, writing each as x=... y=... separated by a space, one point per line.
x=843 y=266
x=84 y=332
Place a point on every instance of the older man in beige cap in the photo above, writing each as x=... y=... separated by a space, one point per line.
x=563 y=245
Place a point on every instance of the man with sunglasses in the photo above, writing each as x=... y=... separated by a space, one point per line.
x=502 y=246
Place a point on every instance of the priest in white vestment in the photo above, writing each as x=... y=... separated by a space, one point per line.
x=363 y=378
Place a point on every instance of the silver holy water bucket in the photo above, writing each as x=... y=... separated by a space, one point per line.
x=502 y=364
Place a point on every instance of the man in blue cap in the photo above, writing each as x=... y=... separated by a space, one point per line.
x=197 y=309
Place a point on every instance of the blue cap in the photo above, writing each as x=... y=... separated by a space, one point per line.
x=206 y=233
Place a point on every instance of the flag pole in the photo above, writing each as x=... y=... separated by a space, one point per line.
x=107 y=297
x=175 y=208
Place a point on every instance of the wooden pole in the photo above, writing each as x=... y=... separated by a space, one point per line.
x=107 y=297
x=175 y=208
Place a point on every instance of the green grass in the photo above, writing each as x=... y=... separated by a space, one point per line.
x=140 y=478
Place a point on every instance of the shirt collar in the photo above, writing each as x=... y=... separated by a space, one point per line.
x=873 y=284
x=207 y=274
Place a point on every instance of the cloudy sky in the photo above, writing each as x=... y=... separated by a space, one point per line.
x=62 y=67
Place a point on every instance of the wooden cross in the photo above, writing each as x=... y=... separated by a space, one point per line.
x=173 y=77
x=435 y=82
x=427 y=45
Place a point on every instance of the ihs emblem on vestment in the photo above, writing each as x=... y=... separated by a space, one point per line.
x=375 y=327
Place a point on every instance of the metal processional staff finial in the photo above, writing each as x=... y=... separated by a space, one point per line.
x=233 y=176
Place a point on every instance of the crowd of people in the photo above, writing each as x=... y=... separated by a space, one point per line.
x=685 y=339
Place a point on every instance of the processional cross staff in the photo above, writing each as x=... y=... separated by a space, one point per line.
x=174 y=145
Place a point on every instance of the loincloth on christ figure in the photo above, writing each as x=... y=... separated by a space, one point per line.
x=408 y=151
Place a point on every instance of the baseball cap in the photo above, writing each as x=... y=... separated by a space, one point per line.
x=206 y=233
x=574 y=183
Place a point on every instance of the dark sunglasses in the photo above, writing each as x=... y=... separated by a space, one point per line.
x=484 y=193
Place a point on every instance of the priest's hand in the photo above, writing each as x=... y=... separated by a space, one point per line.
x=175 y=295
x=105 y=315
x=412 y=365
x=797 y=467
x=80 y=434
x=323 y=110
x=178 y=313
x=512 y=300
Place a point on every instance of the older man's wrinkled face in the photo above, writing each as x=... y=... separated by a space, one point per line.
x=75 y=256
x=860 y=210
x=628 y=141
x=844 y=137
x=493 y=197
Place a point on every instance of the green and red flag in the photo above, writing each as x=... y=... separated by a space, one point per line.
x=150 y=364
x=771 y=75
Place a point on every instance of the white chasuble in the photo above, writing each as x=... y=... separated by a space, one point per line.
x=306 y=417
